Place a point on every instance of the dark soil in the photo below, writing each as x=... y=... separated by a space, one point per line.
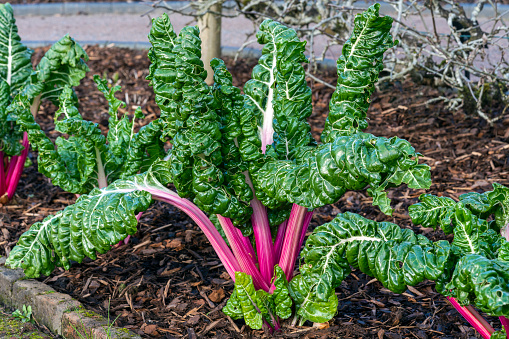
x=169 y=283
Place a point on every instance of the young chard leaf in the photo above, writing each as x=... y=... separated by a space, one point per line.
x=358 y=70
x=257 y=305
x=281 y=298
x=15 y=63
x=15 y=68
x=433 y=211
x=245 y=298
x=76 y=163
x=62 y=65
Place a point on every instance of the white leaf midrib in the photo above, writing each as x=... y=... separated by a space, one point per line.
x=9 y=57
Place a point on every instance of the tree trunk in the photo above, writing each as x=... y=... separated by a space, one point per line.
x=210 y=34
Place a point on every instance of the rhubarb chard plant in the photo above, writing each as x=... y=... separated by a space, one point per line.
x=62 y=65
x=87 y=159
x=246 y=169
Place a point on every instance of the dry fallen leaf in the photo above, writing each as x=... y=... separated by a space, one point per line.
x=149 y=329
x=217 y=295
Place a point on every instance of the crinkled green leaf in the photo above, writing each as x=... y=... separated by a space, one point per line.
x=73 y=164
x=15 y=58
x=120 y=131
x=233 y=307
x=95 y=222
x=205 y=162
x=307 y=305
x=296 y=171
x=379 y=249
x=277 y=103
x=482 y=282
x=348 y=163
x=467 y=230
x=433 y=211
x=245 y=296
x=281 y=298
x=358 y=69
x=472 y=269
x=62 y=65
x=501 y=334
x=292 y=97
x=503 y=251
x=499 y=200
x=163 y=72
x=128 y=152
x=479 y=204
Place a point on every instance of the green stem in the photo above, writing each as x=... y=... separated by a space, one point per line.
x=101 y=176
x=34 y=108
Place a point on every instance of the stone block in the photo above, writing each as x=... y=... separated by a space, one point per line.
x=7 y=279
x=48 y=306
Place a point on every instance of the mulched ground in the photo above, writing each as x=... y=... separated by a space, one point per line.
x=169 y=283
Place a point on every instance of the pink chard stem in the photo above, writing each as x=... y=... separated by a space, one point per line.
x=247 y=245
x=223 y=251
x=10 y=169
x=280 y=237
x=305 y=225
x=292 y=239
x=263 y=237
x=246 y=263
x=2 y=176
x=471 y=315
x=17 y=168
x=505 y=322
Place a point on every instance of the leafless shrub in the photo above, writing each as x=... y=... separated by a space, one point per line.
x=441 y=42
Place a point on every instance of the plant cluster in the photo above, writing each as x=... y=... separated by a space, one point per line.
x=24 y=315
x=63 y=65
x=247 y=170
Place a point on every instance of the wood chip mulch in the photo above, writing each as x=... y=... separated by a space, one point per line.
x=169 y=283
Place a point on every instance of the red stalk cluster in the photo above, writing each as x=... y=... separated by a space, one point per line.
x=11 y=169
x=241 y=257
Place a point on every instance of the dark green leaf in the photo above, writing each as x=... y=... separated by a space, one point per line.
x=90 y=226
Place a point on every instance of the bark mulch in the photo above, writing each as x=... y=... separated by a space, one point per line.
x=169 y=283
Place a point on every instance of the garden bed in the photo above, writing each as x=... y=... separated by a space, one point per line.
x=168 y=282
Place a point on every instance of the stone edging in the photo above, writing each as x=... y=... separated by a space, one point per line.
x=59 y=312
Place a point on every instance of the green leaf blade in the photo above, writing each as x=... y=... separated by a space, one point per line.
x=358 y=70
x=94 y=223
